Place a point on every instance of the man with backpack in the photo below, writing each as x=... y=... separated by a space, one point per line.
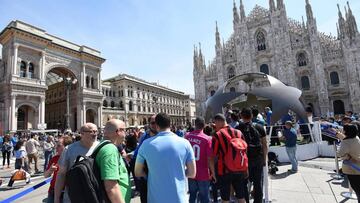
x=230 y=149
x=112 y=167
x=68 y=157
x=255 y=138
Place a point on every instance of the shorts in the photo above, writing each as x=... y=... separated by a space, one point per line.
x=237 y=180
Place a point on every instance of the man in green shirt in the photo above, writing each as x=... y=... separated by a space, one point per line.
x=112 y=167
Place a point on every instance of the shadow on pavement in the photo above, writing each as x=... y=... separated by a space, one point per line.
x=280 y=175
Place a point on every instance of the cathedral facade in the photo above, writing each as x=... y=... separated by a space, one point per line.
x=324 y=67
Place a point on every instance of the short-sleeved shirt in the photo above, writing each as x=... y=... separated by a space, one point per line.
x=112 y=167
x=31 y=146
x=68 y=158
x=201 y=145
x=21 y=153
x=290 y=137
x=166 y=155
x=53 y=160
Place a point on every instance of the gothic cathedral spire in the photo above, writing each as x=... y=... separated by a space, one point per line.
x=280 y=4
x=341 y=24
x=217 y=36
x=242 y=11
x=309 y=13
x=236 y=15
x=353 y=30
x=272 y=5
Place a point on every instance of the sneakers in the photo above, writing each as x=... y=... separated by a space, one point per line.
x=292 y=171
x=28 y=181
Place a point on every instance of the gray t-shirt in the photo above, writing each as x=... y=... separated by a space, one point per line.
x=68 y=158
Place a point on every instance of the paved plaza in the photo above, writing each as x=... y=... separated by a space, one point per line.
x=310 y=184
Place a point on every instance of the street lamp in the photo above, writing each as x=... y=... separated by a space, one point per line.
x=68 y=81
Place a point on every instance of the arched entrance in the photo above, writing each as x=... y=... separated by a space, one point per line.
x=26 y=118
x=62 y=85
x=90 y=116
x=339 y=107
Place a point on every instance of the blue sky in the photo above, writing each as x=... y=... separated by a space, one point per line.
x=151 y=39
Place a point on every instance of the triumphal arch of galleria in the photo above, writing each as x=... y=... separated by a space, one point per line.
x=35 y=70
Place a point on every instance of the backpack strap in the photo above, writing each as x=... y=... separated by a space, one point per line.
x=97 y=149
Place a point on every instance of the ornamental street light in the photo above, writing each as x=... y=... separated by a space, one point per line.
x=68 y=81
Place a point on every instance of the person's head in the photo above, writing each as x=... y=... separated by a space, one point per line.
x=254 y=112
x=152 y=124
x=234 y=117
x=18 y=145
x=115 y=131
x=62 y=143
x=199 y=123
x=219 y=121
x=89 y=133
x=350 y=131
x=246 y=114
x=288 y=124
x=162 y=121
x=208 y=130
x=346 y=120
x=349 y=113
x=7 y=138
x=267 y=109
x=50 y=138
x=32 y=136
x=309 y=111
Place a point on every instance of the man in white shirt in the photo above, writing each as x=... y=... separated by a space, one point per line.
x=32 y=151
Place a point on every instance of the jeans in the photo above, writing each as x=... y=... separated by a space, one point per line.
x=201 y=187
x=354 y=181
x=291 y=151
x=47 y=155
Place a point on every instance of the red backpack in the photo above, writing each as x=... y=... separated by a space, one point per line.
x=234 y=150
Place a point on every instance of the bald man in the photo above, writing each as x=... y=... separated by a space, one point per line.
x=112 y=167
x=85 y=146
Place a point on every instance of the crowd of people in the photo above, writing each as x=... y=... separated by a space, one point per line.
x=225 y=156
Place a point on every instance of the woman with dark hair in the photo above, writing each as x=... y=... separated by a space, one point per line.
x=350 y=149
x=6 y=150
x=20 y=155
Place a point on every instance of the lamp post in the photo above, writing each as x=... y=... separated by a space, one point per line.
x=68 y=81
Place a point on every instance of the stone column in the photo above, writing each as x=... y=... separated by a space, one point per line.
x=99 y=114
x=42 y=112
x=42 y=67
x=84 y=113
x=16 y=46
x=99 y=80
x=13 y=116
x=83 y=76
x=27 y=69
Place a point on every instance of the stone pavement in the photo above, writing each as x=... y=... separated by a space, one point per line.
x=308 y=185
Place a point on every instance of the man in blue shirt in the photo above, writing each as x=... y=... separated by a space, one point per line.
x=166 y=156
x=290 y=144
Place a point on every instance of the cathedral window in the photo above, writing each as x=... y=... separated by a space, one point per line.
x=23 y=69
x=334 y=78
x=121 y=105
x=305 y=83
x=106 y=93
x=139 y=108
x=264 y=68
x=112 y=104
x=301 y=59
x=231 y=72
x=260 y=40
x=105 y=104
x=31 y=70
x=87 y=81
x=212 y=92
x=232 y=89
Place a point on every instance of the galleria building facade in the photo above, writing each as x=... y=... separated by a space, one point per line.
x=325 y=68
x=38 y=70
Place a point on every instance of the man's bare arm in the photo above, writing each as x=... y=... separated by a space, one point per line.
x=59 y=184
x=140 y=170
x=191 y=169
x=113 y=192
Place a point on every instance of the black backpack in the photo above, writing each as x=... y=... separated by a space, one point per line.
x=253 y=139
x=83 y=180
